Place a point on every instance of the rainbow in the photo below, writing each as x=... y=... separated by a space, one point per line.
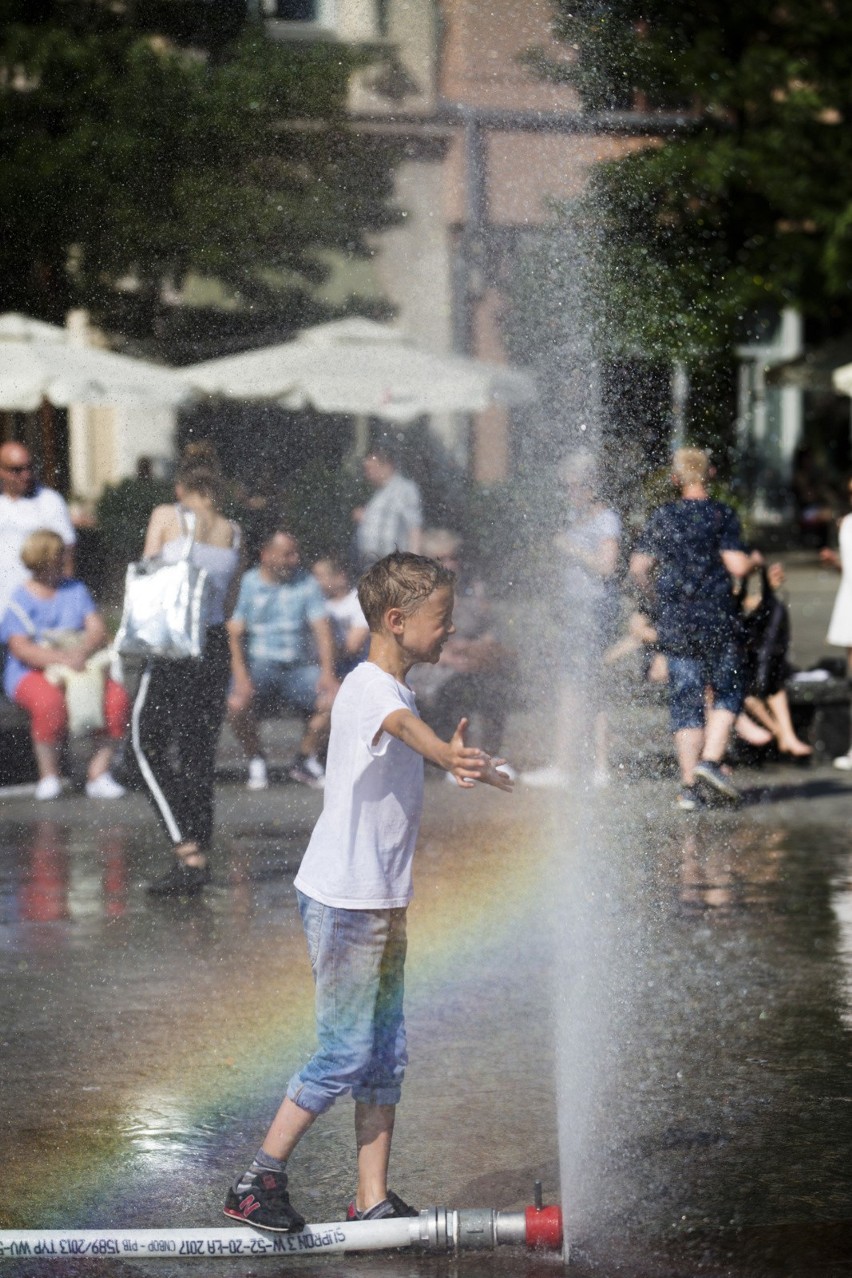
x=475 y=883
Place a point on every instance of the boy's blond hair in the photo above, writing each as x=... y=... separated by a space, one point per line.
x=690 y=466
x=400 y=580
x=41 y=548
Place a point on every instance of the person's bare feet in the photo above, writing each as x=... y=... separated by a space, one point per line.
x=752 y=733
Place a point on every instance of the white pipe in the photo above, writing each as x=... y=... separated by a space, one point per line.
x=355 y=1235
x=437 y=1229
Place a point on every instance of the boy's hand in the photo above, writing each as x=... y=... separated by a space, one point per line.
x=465 y=762
x=471 y=765
x=493 y=776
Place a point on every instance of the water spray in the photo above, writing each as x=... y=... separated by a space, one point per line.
x=437 y=1230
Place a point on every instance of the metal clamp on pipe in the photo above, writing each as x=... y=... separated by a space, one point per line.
x=482 y=1228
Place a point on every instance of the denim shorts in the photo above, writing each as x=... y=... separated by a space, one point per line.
x=358 y=959
x=278 y=685
x=721 y=669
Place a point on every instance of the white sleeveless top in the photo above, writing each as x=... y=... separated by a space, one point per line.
x=219 y=562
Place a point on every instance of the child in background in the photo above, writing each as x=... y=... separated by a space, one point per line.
x=348 y=624
x=353 y=889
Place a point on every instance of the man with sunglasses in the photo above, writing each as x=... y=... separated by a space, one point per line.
x=26 y=506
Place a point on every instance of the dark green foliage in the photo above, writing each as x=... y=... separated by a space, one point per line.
x=123 y=512
x=749 y=207
x=128 y=160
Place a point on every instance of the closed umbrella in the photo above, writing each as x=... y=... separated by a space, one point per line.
x=362 y=368
x=39 y=363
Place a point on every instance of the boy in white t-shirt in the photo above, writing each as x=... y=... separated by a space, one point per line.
x=353 y=888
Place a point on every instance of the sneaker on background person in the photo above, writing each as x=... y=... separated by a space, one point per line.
x=307 y=770
x=689 y=799
x=258 y=777
x=49 y=787
x=711 y=774
x=105 y=786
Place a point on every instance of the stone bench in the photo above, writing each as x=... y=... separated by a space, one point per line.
x=17 y=762
x=821 y=714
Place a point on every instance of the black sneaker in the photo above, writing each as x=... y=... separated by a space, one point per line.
x=689 y=800
x=392 y=1206
x=710 y=774
x=181 y=880
x=265 y=1204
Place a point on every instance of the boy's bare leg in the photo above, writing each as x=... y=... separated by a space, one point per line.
x=288 y=1127
x=373 y=1136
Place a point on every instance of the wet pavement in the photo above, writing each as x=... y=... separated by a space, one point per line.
x=659 y=1002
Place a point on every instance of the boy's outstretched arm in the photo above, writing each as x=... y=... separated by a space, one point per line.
x=466 y=763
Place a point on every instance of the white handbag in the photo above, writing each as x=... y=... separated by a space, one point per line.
x=167 y=606
x=84 y=689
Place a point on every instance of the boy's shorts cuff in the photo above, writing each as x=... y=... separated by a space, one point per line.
x=377 y=1095
x=307 y=1098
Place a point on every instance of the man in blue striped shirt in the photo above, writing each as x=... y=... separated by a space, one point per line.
x=282 y=657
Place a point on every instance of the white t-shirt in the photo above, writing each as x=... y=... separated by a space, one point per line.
x=390 y=517
x=18 y=518
x=360 y=853
x=345 y=614
x=588 y=535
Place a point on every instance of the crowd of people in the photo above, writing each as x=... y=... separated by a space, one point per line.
x=278 y=637
x=282 y=635
x=706 y=616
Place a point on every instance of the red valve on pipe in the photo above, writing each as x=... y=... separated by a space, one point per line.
x=544 y=1227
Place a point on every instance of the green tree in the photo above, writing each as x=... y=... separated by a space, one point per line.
x=747 y=207
x=144 y=142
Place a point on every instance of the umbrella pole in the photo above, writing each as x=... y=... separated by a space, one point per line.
x=361 y=437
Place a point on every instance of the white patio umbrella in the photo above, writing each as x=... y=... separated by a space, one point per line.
x=38 y=362
x=361 y=368
x=842 y=379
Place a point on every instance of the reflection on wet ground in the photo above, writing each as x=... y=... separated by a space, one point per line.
x=726 y=1141
x=144 y=1045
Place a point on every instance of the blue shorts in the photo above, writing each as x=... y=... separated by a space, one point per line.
x=720 y=669
x=357 y=959
x=280 y=686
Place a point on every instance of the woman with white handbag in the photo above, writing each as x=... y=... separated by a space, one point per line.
x=180 y=704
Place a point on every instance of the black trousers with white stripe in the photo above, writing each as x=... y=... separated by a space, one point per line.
x=177 y=718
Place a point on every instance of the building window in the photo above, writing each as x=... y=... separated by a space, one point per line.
x=296 y=10
x=297 y=19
